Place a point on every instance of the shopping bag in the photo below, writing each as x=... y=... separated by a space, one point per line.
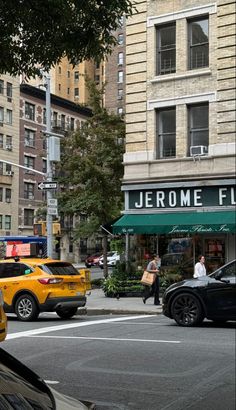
x=148 y=278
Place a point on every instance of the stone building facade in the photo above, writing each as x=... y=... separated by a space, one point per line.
x=180 y=117
x=9 y=151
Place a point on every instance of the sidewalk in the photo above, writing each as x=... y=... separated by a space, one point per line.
x=99 y=304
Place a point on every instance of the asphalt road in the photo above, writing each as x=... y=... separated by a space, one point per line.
x=131 y=362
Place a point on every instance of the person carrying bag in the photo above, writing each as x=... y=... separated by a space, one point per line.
x=153 y=268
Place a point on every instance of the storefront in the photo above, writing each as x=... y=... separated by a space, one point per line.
x=188 y=219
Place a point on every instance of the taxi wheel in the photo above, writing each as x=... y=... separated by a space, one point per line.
x=26 y=308
x=66 y=313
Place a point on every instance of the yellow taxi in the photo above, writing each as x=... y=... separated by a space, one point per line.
x=3 y=320
x=31 y=286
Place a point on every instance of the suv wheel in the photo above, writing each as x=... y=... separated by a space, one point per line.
x=26 y=308
x=186 y=310
x=66 y=313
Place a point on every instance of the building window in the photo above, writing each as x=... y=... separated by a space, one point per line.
x=97 y=78
x=59 y=87
x=8 y=168
x=9 y=117
x=9 y=90
x=1 y=140
x=120 y=94
x=1 y=194
x=120 y=76
x=121 y=21
x=28 y=190
x=166 y=49
x=28 y=217
x=1 y=87
x=76 y=75
x=198 y=126
x=63 y=121
x=8 y=195
x=198 y=43
x=29 y=111
x=54 y=121
x=8 y=222
x=44 y=116
x=29 y=162
x=120 y=39
x=1 y=114
x=76 y=92
x=68 y=91
x=120 y=111
x=0 y=221
x=44 y=169
x=9 y=142
x=72 y=124
x=120 y=58
x=1 y=168
x=59 y=70
x=29 y=138
x=166 y=125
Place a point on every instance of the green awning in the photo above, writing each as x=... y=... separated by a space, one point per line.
x=179 y=222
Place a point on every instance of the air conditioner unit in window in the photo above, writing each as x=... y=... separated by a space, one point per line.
x=196 y=150
x=9 y=147
x=10 y=173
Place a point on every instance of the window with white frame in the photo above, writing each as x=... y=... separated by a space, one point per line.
x=28 y=217
x=120 y=94
x=76 y=75
x=9 y=117
x=44 y=168
x=1 y=168
x=28 y=190
x=120 y=76
x=29 y=162
x=29 y=138
x=120 y=111
x=166 y=133
x=8 y=195
x=198 y=43
x=1 y=140
x=8 y=222
x=76 y=92
x=29 y=111
x=198 y=118
x=121 y=58
x=9 y=142
x=1 y=194
x=166 y=49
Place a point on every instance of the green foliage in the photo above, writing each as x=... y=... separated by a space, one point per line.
x=92 y=169
x=117 y=245
x=42 y=32
x=123 y=279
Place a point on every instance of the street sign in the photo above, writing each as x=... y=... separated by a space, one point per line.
x=52 y=211
x=52 y=202
x=47 y=185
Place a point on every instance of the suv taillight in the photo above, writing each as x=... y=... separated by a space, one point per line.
x=50 y=281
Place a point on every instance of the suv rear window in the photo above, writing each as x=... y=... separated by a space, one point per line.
x=59 y=268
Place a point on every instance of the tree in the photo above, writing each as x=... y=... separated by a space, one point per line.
x=42 y=32
x=92 y=166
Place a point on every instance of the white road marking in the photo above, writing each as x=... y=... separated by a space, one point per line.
x=51 y=381
x=108 y=338
x=49 y=329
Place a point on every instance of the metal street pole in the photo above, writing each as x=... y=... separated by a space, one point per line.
x=49 y=168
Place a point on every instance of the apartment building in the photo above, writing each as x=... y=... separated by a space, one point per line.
x=179 y=164
x=66 y=116
x=9 y=153
x=115 y=73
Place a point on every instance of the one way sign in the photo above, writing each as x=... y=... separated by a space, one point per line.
x=47 y=185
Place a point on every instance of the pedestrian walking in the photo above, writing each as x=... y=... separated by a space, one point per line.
x=200 y=269
x=153 y=267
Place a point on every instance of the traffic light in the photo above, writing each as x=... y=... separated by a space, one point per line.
x=40 y=228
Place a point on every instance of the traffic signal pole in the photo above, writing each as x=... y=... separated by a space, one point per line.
x=49 y=167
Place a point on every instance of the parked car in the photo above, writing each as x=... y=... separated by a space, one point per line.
x=92 y=260
x=3 y=320
x=112 y=259
x=31 y=286
x=213 y=297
